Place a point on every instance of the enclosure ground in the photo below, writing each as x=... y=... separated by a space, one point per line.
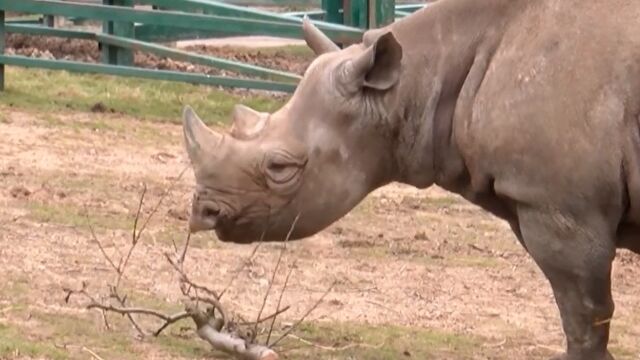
x=421 y=274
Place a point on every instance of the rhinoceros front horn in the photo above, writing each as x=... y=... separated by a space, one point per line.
x=199 y=139
x=316 y=39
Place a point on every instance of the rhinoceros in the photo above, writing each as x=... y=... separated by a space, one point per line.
x=529 y=109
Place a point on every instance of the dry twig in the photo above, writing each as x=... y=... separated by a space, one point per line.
x=275 y=271
x=219 y=331
x=295 y=326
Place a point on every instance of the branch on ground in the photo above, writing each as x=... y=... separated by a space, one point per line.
x=213 y=322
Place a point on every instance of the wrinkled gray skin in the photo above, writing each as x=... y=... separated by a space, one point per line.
x=529 y=109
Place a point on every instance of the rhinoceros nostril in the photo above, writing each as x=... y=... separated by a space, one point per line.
x=210 y=212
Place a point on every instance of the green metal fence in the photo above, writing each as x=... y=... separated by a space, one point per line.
x=127 y=29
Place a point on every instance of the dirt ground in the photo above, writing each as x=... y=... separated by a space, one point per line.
x=404 y=256
x=424 y=259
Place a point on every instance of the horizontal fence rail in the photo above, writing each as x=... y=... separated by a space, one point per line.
x=176 y=18
x=127 y=29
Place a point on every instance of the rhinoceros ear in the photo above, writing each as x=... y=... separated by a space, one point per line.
x=198 y=138
x=247 y=123
x=377 y=67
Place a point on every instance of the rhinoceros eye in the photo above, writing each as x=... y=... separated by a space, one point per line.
x=282 y=168
x=282 y=173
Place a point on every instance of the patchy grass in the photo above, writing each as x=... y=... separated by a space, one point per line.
x=63 y=336
x=169 y=236
x=359 y=341
x=340 y=341
x=69 y=215
x=46 y=91
x=188 y=346
x=13 y=344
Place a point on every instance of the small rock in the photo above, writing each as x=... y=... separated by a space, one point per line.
x=20 y=192
x=163 y=157
x=421 y=236
x=47 y=55
x=99 y=107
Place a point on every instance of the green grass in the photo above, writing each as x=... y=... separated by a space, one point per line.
x=46 y=91
x=380 y=342
x=188 y=347
x=49 y=333
x=74 y=216
x=70 y=329
x=13 y=342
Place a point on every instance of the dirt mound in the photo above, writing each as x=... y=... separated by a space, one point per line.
x=88 y=51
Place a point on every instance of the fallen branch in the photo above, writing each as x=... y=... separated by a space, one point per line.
x=229 y=343
x=214 y=324
x=93 y=354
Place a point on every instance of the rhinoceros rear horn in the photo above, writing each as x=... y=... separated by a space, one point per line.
x=247 y=123
x=198 y=138
x=316 y=39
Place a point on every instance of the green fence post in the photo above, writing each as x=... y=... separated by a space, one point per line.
x=355 y=13
x=112 y=54
x=49 y=20
x=2 y=35
x=332 y=11
x=381 y=13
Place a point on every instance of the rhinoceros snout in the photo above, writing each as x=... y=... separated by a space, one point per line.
x=204 y=217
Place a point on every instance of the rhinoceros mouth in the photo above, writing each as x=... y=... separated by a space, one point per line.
x=235 y=234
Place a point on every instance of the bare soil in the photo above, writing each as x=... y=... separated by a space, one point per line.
x=87 y=51
x=425 y=259
x=420 y=258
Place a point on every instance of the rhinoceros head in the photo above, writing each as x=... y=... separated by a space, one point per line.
x=309 y=163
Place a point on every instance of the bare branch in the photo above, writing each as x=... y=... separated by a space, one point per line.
x=83 y=292
x=134 y=233
x=185 y=279
x=244 y=264
x=295 y=326
x=172 y=319
x=275 y=270
x=213 y=300
x=95 y=239
x=122 y=266
x=331 y=348
x=284 y=288
x=269 y=317
x=93 y=354
x=122 y=300
x=128 y=311
x=164 y=195
x=183 y=255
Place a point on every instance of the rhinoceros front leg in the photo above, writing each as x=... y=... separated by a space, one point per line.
x=575 y=253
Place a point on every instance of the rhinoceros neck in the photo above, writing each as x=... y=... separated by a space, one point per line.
x=444 y=46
